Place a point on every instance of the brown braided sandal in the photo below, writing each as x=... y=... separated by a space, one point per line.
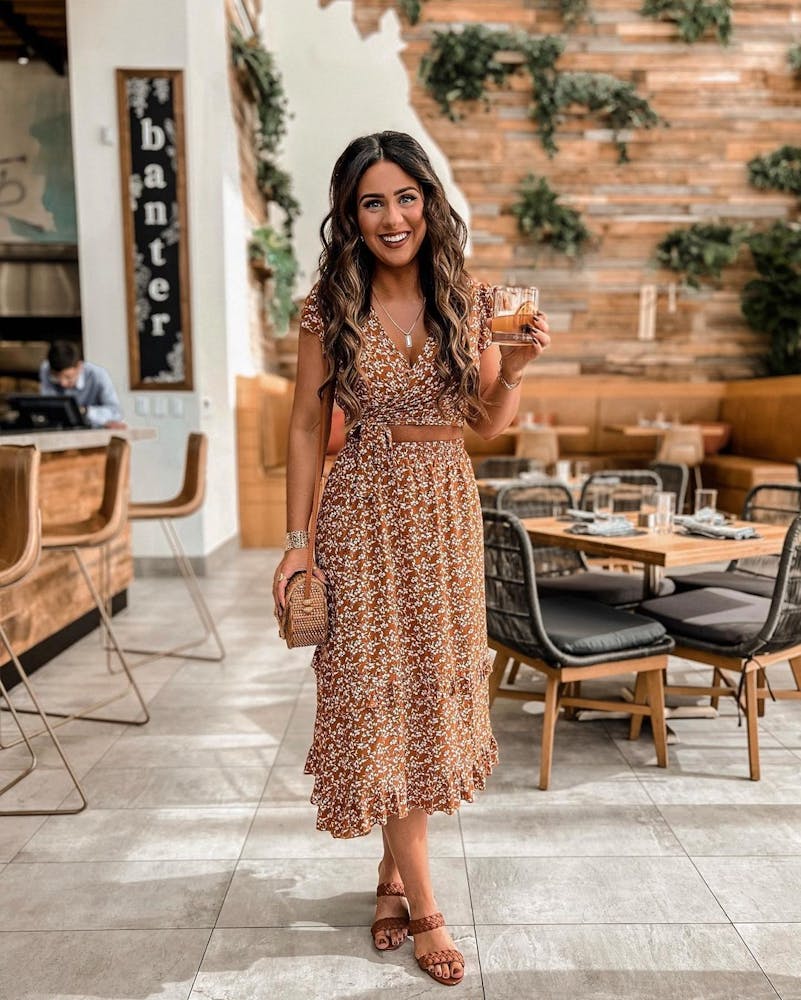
x=386 y=924
x=431 y=958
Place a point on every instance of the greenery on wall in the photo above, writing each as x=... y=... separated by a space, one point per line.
x=693 y=17
x=257 y=70
x=573 y=11
x=701 y=251
x=779 y=170
x=794 y=58
x=272 y=251
x=541 y=218
x=461 y=63
x=771 y=303
x=411 y=9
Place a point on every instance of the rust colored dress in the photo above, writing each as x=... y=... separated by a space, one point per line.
x=402 y=709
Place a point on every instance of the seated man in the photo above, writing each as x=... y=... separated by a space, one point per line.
x=65 y=374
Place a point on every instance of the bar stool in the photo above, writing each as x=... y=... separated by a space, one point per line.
x=20 y=544
x=94 y=531
x=685 y=445
x=186 y=502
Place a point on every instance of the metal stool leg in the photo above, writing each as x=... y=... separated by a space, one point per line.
x=66 y=810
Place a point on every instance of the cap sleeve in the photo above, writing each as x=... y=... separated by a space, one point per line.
x=484 y=315
x=310 y=318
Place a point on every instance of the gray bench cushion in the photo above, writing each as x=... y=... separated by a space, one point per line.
x=744 y=583
x=714 y=615
x=584 y=628
x=606 y=587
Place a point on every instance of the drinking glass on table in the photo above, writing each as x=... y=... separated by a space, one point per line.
x=563 y=470
x=602 y=500
x=705 y=504
x=514 y=310
x=665 y=512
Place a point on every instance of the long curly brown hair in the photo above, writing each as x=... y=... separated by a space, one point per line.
x=346 y=270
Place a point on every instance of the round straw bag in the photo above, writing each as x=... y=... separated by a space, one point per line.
x=305 y=618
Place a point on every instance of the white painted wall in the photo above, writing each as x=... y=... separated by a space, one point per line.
x=339 y=86
x=188 y=35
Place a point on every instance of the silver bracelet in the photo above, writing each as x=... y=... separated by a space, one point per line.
x=296 y=540
x=505 y=384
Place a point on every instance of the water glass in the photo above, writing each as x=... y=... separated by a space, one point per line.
x=602 y=497
x=705 y=504
x=563 y=470
x=665 y=512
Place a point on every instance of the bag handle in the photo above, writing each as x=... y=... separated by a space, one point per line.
x=326 y=410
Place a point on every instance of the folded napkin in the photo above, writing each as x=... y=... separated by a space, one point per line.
x=706 y=515
x=613 y=527
x=579 y=515
x=693 y=527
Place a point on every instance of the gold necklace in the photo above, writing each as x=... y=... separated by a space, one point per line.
x=407 y=334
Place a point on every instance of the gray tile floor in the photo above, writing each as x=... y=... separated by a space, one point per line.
x=197 y=872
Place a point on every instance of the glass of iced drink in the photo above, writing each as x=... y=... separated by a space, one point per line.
x=514 y=310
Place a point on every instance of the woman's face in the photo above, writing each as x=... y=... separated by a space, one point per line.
x=389 y=211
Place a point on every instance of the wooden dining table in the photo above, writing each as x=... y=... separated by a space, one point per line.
x=715 y=433
x=561 y=430
x=659 y=552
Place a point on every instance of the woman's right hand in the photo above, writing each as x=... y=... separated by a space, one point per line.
x=294 y=560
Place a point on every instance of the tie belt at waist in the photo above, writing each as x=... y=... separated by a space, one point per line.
x=374 y=442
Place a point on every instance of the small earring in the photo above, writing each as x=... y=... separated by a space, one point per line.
x=361 y=239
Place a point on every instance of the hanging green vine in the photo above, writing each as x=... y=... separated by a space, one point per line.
x=771 y=303
x=274 y=252
x=794 y=58
x=541 y=217
x=701 y=251
x=778 y=171
x=693 y=17
x=573 y=11
x=257 y=70
x=411 y=10
x=461 y=63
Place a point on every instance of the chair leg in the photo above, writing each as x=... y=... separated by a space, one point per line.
x=207 y=621
x=496 y=674
x=548 y=728
x=751 y=719
x=513 y=672
x=795 y=666
x=761 y=683
x=87 y=713
x=66 y=810
x=656 y=702
x=640 y=697
x=717 y=679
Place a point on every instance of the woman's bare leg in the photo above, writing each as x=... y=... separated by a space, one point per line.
x=389 y=906
x=408 y=842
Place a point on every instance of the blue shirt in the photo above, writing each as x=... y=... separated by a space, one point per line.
x=93 y=390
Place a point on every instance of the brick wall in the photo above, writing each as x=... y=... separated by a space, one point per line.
x=724 y=105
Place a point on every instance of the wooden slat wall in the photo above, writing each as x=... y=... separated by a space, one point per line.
x=724 y=106
x=55 y=593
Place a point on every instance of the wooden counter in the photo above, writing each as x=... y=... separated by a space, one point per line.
x=52 y=607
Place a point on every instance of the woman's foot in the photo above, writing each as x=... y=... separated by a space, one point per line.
x=391 y=923
x=435 y=950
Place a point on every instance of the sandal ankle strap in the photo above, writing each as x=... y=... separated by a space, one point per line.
x=429 y=923
x=390 y=889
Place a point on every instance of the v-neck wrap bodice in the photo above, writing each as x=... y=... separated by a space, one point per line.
x=402 y=708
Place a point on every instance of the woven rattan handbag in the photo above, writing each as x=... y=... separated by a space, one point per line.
x=304 y=621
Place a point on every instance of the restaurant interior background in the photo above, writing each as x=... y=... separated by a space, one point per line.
x=662 y=141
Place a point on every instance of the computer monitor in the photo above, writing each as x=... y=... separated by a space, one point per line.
x=41 y=413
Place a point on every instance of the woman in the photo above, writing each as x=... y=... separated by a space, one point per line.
x=402 y=727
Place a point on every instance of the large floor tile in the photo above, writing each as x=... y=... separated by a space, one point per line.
x=290 y=832
x=236 y=695
x=165 y=787
x=100 y=965
x=109 y=895
x=589 y=890
x=269 y=721
x=733 y=829
x=714 y=778
x=755 y=889
x=493 y=829
x=15 y=832
x=570 y=785
x=231 y=750
x=141 y=835
x=777 y=948
x=309 y=963
x=628 y=962
x=331 y=893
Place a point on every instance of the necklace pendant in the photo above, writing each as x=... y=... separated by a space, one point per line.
x=408 y=338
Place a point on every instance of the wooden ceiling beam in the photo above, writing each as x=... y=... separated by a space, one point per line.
x=54 y=55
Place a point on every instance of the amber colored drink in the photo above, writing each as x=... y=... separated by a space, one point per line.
x=514 y=330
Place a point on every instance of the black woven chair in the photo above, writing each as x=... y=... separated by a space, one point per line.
x=506 y=467
x=567 y=639
x=565 y=571
x=675 y=478
x=739 y=632
x=627 y=485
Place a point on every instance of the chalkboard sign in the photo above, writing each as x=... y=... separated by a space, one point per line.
x=151 y=130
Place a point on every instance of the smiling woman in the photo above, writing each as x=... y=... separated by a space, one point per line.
x=402 y=727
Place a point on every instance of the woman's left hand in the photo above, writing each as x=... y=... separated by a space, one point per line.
x=515 y=359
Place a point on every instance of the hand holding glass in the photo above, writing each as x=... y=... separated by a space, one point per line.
x=515 y=308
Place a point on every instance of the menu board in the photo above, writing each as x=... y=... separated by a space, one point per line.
x=153 y=166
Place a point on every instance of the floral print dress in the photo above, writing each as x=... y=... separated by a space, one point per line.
x=402 y=717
